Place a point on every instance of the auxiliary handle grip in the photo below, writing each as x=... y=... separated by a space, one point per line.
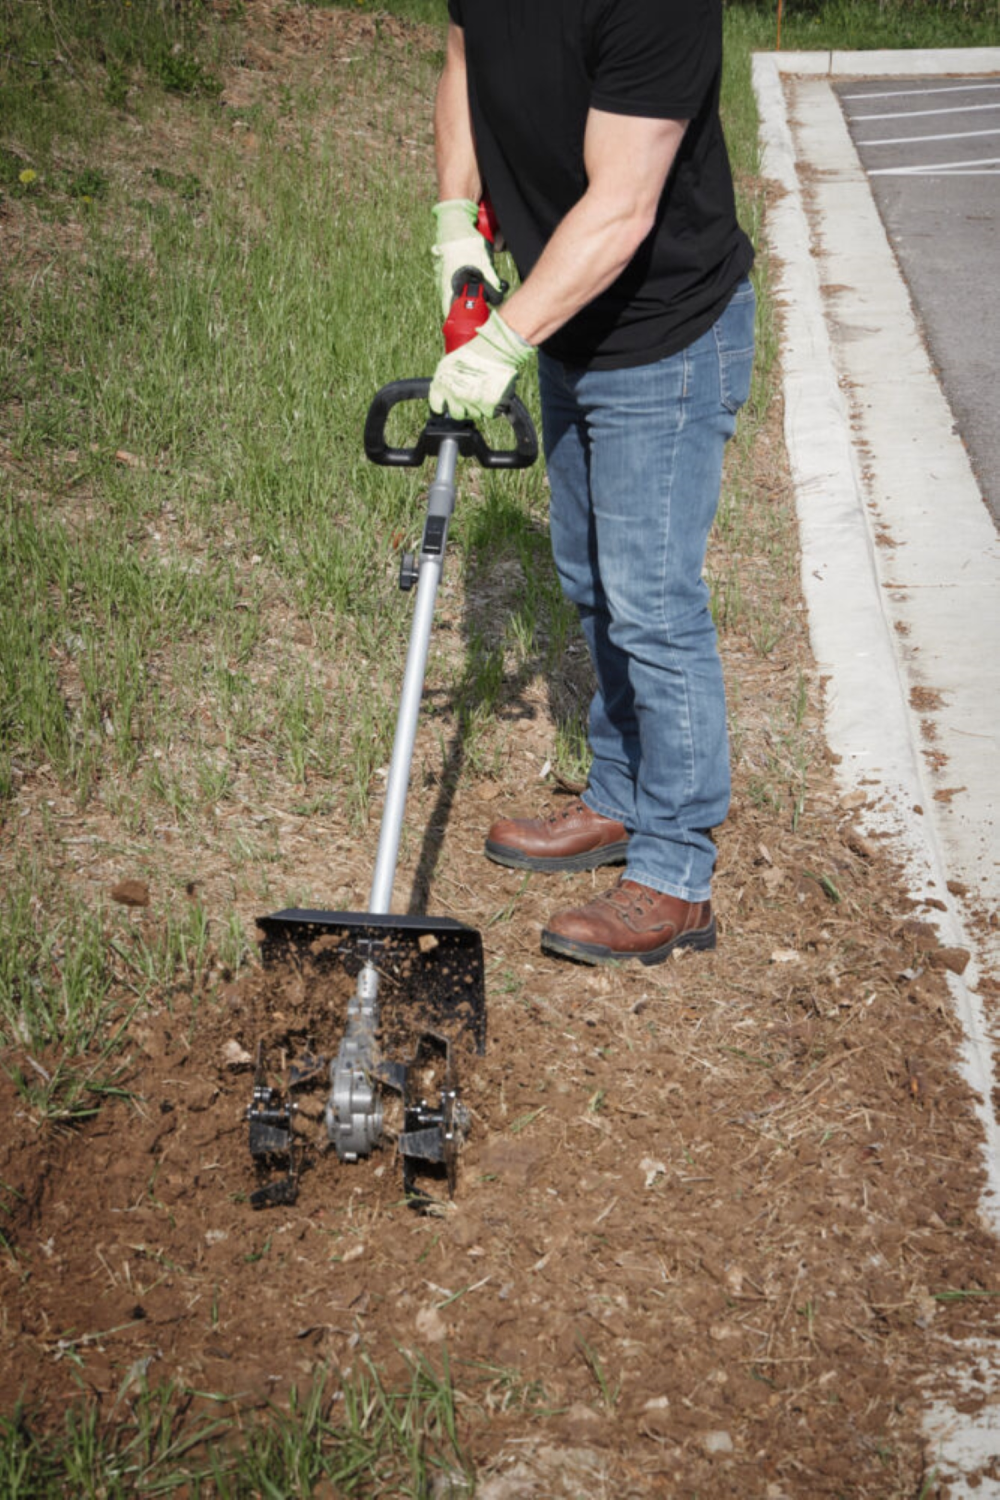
x=471 y=443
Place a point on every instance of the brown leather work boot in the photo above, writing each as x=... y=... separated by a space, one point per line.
x=573 y=838
x=630 y=921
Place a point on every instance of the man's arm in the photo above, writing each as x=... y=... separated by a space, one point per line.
x=455 y=147
x=628 y=160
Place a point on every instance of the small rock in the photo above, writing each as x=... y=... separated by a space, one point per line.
x=652 y=1169
x=235 y=1056
x=130 y=893
x=717 y=1442
x=431 y=1325
x=449 y=1484
x=657 y=1423
x=785 y=956
x=722 y=1331
x=520 y=1483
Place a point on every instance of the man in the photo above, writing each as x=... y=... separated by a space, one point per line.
x=593 y=126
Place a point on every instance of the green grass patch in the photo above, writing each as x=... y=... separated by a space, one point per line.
x=355 y=1437
x=860 y=25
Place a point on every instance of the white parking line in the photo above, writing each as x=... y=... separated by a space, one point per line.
x=945 y=168
x=914 y=140
x=915 y=114
x=949 y=88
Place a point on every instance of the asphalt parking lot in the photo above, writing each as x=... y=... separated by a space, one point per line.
x=931 y=150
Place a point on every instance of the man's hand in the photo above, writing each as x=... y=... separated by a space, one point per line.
x=460 y=246
x=476 y=379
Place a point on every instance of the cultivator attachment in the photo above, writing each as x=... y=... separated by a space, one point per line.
x=418 y=1005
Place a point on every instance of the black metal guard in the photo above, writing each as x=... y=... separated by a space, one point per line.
x=431 y=968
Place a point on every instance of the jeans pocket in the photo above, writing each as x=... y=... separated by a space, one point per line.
x=734 y=335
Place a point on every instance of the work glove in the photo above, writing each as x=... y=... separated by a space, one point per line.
x=461 y=247
x=473 y=381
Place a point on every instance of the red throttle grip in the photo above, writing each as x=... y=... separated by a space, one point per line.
x=467 y=314
x=486 y=220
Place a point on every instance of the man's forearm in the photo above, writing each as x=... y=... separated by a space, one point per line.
x=628 y=161
x=588 y=251
x=455 y=148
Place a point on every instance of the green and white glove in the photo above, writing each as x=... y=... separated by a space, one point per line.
x=473 y=381
x=460 y=246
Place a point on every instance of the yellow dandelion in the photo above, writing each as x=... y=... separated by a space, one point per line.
x=27 y=176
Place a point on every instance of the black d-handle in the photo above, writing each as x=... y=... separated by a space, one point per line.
x=471 y=443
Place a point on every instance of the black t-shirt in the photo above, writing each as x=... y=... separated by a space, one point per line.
x=535 y=69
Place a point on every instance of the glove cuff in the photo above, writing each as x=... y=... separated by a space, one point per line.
x=505 y=340
x=454 y=218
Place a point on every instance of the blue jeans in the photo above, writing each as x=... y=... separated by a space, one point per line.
x=635 y=466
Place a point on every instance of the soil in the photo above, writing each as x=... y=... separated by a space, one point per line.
x=706 y=1211
x=717 y=1227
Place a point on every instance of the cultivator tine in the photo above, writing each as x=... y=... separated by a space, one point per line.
x=435 y=1122
x=272 y=1137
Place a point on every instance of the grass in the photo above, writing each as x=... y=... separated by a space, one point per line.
x=200 y=627
x=159 y=1441
x=609 y=1391
x=856 y=25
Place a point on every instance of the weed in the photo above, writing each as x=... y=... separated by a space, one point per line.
x=610 y=1393
x=826 y=885
x=186 y=185
x=71 y=1092
x=183 y=72
x=90 y=183
x=55 y=974
x=572 y=749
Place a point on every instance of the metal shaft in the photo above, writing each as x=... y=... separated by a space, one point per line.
x=440 y=507
x=354 y=1110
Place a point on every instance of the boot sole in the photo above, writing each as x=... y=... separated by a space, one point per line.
x=702 y=938
x=592 y=859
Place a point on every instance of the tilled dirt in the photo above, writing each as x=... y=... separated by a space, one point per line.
x=712 y=1216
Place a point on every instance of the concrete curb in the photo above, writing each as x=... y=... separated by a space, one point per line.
x=867 y=709
x=868 y=718
x=916 y=64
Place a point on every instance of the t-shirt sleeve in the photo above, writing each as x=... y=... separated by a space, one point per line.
x=455 y=11
x=655 y=58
